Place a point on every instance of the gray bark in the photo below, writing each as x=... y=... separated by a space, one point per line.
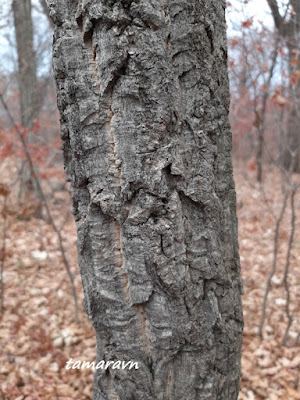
x=143 y=95
x=27 y=79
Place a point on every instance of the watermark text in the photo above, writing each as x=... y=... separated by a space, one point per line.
x=118 y=364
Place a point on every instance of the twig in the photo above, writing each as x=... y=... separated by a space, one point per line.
x=274 y=265
x=44 y=201
x=287 y=266
x=261 y=125
x=3 y=252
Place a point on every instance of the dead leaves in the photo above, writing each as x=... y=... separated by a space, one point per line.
x=39 y=336
x=269 y=370
x=39 y=312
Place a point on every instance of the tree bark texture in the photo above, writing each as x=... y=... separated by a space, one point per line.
x=143 y=96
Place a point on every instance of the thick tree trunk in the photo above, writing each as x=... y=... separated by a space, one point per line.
x=143 y=95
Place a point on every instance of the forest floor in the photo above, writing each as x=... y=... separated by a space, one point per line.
x=38 y=334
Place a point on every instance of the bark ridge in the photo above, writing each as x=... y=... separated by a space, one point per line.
x=143 y=96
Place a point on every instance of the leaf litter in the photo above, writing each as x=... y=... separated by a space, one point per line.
x=38 y=334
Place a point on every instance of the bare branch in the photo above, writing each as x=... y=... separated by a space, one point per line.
x=261 y=125
x=274 y=266
x=46 y=12
x=278 y=20
x=287 y=266
x=3 y=252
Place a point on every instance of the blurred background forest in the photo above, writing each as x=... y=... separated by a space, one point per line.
x=42 y=318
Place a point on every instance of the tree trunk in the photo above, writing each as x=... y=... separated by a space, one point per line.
x=290 y=151
x=143 y=95
x=46 y=11
x=27 y=78
x=289 y=29
x=26 y=61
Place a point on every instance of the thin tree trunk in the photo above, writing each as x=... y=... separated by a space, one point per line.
x=46 y=11
x=27 y=78
x=143 y=95
x=260 y=117
x=26 y=61
x=291 y=142
x=289 y=29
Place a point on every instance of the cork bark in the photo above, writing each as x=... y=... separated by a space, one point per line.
x=143 y=96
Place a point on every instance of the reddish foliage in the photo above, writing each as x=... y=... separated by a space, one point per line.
x=260 y=48
x=295 y=78
x=247 y=23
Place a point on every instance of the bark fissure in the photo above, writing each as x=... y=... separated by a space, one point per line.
x=148 y=156
x=126 y=279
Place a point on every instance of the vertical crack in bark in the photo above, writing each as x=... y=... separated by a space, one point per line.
x=94 y=64
x=165 y=9
x=210 y=35
x=180 y=100
x=168 y=40
x=143 y=328
x=126 y=286
x=168 y=43
x=170 y=382
x=113 y=146
x=88 y=43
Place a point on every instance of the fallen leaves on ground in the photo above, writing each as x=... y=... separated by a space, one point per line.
x=38 y=333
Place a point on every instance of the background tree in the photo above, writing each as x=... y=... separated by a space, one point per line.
x=288 y=26
x=143 y=95
x=27 y=78
x=46 y=11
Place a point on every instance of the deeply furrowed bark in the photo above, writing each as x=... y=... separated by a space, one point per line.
x=143 y=95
